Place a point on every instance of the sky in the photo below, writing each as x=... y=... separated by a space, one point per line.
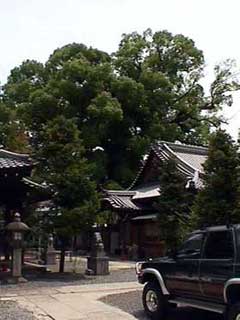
x=32 y=29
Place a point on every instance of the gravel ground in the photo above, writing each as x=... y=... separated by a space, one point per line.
x=10 y=310
x=55 y=279
x=51 y=280
x=131 y=302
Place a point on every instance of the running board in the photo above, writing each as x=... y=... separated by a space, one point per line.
x=209 y=306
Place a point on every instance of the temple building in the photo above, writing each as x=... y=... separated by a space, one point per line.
x=135 y=230
x=16 y=187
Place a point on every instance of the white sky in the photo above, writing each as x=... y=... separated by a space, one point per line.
x=32 y=29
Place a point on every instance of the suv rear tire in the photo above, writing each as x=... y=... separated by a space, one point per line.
x=154 y=302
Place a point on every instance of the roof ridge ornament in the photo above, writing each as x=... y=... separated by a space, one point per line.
x=193 y=182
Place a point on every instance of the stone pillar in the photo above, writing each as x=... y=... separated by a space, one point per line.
x=51 y=253
x=17 y=263
x=98 y=262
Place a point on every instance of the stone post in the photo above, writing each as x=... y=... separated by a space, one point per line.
x=51 y=252
x=98 y=262
x=17 y=228
x=17 y=263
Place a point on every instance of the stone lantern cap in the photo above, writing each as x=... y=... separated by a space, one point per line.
x=17 y=225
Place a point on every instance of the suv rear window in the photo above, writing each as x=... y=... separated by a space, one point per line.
x=219 y=245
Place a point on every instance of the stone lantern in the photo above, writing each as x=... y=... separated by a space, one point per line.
x=16 y=230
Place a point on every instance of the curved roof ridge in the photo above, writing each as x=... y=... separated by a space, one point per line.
x=120 y=192
x=14 y=154
x=139 y=171
x=185 y=147
x=180 y=159
x=164 y=150
x=167 y=154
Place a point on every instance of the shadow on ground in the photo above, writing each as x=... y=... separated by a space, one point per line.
x=131 y=302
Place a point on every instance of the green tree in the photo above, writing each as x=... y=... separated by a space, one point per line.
x=169 y=68
x=12 y=132
x=218 y=201
x=22 y=81
x=64 y=168
x=149 y=89
x=174 y=204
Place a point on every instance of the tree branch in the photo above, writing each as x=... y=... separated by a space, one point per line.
x=186 y=93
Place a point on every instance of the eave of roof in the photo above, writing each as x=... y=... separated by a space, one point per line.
x=122 y=203
x=9 y=154
x=146 y=217
x=12 y=160
x=119 y=192
x=124 y=199
x=34 y=185
x=148 y=191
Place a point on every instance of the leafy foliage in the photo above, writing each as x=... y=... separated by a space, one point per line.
x=174 y=204
x=149 y=89
x=63 y=166
x=13 y=134
x=218 y=201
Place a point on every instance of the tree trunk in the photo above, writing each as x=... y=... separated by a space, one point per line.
x=62 y=260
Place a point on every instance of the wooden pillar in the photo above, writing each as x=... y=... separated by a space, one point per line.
x=122 y=240
x=6 y=246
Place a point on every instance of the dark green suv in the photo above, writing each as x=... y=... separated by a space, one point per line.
x=204 y=273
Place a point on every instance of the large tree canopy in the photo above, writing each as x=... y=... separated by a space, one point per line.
x=149 y=89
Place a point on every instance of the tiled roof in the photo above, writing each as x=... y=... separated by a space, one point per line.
x=14 y=160
x=193 y=156
x=189 y=159
x=122 y=200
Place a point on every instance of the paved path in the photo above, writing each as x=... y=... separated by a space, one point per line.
x=74 y=302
